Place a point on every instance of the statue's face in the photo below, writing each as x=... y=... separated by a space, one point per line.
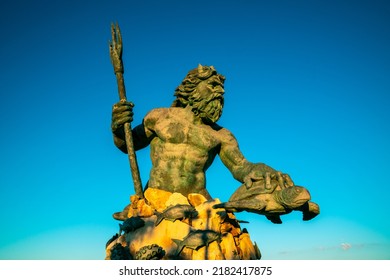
x=211 y=86
x=211 y=93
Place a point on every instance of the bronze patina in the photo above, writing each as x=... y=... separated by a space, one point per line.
x=184 y=140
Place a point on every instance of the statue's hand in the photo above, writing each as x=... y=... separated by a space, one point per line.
x=264 y=173
x=122 y=112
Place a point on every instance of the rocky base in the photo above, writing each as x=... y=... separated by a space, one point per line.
x=166 y=225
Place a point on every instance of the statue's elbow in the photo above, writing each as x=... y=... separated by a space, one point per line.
x=120 y=144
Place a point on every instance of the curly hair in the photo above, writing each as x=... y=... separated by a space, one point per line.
x=185 y=91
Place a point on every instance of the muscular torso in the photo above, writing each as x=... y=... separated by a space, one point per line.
x=181 y=150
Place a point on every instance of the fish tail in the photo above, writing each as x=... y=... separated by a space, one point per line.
x=160 y=217
x=179 y=245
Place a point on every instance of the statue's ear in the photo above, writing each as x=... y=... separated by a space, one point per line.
x=200 y=68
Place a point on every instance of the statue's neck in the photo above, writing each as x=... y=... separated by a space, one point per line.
x=191 y=115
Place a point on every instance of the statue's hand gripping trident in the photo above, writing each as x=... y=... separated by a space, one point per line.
x=116 y=58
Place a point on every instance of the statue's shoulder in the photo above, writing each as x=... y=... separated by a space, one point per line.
x=156 y=113
x=165 y=111
x=223 y=134
x=153 y=116
x=171 y=113
x=222 y=131
x=218 y=128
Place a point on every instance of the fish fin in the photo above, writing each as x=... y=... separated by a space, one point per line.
x=220 y=205
x=176 y=241
x=228 y=206
x=274 y=219
x=257 y=251
x=311 y=211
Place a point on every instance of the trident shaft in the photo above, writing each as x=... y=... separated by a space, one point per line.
x=116 y=59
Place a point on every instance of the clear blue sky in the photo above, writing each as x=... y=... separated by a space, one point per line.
x=307 y=92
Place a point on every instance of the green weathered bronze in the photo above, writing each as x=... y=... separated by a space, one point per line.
x=174 y=216
x=185 y=138
x=116 y=48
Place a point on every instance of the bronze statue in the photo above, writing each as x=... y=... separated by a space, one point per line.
x=184 y=140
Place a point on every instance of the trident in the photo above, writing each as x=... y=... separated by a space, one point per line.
x=116 y=60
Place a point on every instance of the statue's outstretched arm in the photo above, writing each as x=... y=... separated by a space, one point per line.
x=247 y=172
x=232 y=157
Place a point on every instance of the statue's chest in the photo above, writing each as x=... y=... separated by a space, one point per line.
x=183 y=132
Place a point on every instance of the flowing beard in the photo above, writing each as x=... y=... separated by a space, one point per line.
x=209 y=111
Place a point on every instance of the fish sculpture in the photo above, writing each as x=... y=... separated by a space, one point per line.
x=131 y=224
x=197 y=239
x=176 y=212
x=274 y=204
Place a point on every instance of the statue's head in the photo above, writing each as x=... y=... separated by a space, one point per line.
x=203 y=90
